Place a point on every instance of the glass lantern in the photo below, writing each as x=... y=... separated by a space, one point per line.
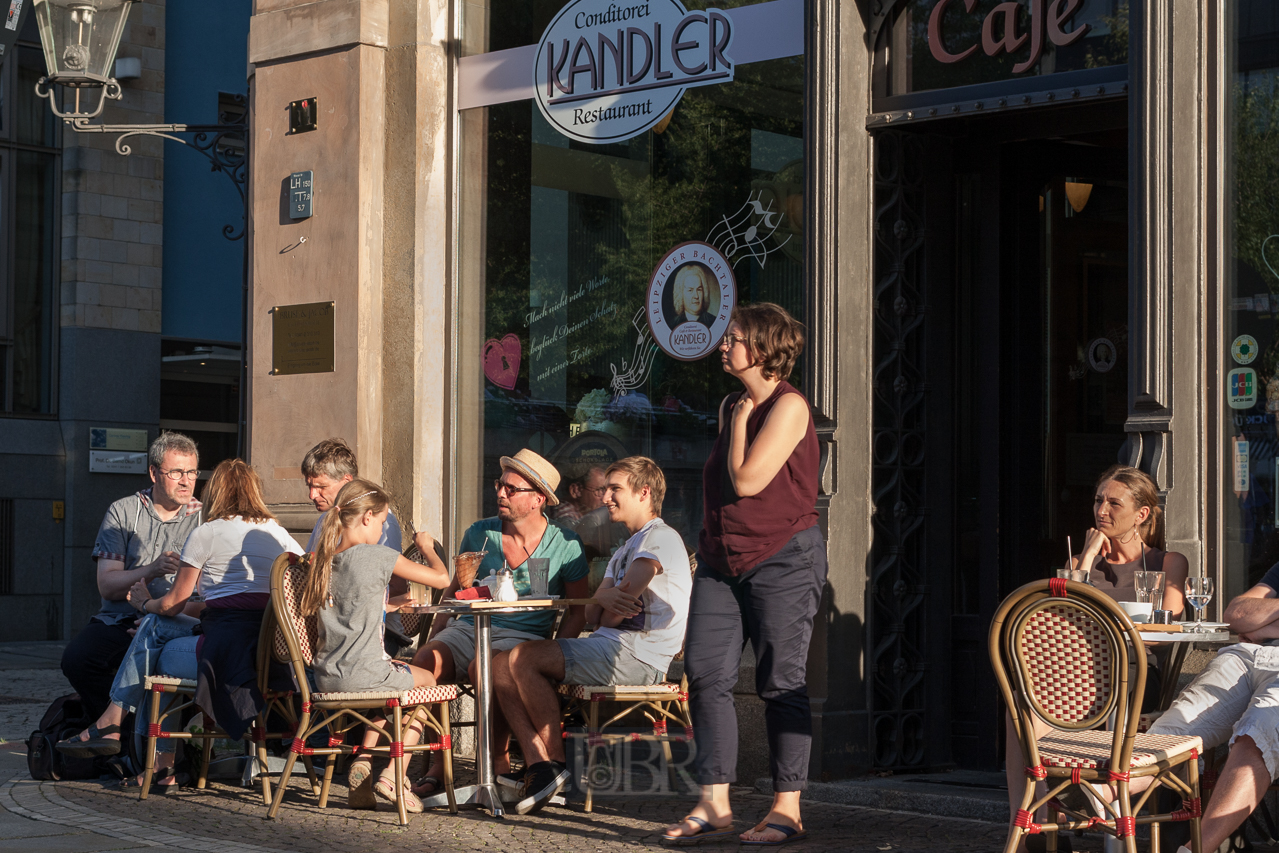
x=80 y=38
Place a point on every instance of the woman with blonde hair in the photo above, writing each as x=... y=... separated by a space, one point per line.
x=1127 y=537
x=228 y=558
x=347 y=591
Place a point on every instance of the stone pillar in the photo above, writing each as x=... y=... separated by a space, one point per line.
x=376 y=246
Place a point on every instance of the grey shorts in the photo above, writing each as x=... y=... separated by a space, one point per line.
x=601 y=662
x=460 y=638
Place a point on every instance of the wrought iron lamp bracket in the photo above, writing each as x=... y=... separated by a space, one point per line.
x=205 y=139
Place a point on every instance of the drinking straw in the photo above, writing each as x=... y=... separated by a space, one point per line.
x=1070 y=553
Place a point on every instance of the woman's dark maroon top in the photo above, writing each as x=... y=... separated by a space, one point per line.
x=738 y=532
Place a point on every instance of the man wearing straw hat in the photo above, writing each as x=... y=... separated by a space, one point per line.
x=517 y=535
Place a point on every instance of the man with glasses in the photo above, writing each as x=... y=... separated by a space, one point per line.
x=585 y=493
x=140 y=539
x=517 y=534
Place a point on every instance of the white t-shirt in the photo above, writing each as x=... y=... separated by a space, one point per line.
x=392 y=535
x=656 y=633
x=235 y=556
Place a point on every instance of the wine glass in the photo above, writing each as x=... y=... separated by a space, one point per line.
x=1198 y=593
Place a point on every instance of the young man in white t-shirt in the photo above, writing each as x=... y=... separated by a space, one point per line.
x=640 y=610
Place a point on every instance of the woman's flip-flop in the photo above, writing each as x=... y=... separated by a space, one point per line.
x=789 y=834
x=706 y=831
x=94 y=746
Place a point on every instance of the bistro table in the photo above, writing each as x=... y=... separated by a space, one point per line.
x=484 y=794
x=1182 y=642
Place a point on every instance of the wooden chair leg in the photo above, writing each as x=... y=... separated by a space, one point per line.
x=1015 y=833
x=264 y=764
x=309 y=764
x=149 y=771
x=446 y=753
x=207 y=754
x=397 y=764
x=592 y=728
x=329 y=766
x=1192 y=776
x=289 y=761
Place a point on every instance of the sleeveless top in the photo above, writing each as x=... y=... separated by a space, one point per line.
x=1116 y=579
x=738 y=532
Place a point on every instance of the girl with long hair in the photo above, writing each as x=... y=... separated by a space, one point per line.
x=347 y=591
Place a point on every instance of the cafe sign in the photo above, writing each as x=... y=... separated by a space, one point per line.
x=1008 y=28
x=608 y=71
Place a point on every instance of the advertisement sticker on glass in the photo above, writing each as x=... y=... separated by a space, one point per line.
x=1244 y=349
x=690 y=300
x=1241 y=388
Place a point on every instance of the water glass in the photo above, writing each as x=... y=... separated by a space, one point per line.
x=1199 y=593
x=1146 y=583
x=539 y=575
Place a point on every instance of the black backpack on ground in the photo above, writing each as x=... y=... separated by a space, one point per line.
x=65 y=718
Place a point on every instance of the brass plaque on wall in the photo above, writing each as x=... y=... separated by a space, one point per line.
x=302 y=338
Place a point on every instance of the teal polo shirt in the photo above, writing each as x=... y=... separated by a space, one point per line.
x=568 y=563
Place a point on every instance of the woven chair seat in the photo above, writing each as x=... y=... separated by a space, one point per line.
x=416 y=696
x=620 y=692
x=1090 y=749
x=169 y=681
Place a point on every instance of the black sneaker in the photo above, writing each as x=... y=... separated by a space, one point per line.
x=511 y=780
x=542 y=782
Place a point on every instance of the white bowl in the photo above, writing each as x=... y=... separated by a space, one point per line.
x=1138 y=611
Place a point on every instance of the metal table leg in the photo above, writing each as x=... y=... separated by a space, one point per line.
x=485 y=794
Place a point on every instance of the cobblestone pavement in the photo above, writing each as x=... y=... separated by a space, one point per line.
x=89 y=816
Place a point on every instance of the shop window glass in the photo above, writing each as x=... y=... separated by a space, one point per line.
x=1249 y=366
x=30 y=175
x=558 y=240
x=928 y=48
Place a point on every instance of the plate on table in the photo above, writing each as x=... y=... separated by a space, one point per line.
x=1189 y=625
x=556 y=598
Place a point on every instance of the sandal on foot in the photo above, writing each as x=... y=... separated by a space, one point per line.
x=789 y=834
x=384 y=787
x=362 y=797
x=96 y=744
x=360 y=770
x=706 y=831
x=428 y=786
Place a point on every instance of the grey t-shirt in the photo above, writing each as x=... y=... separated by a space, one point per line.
x=350 y=655
x=132 y=533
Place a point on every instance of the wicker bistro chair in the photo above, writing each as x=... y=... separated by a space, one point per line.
x=180 y=695
x=1062 y=653
x=659 y=703
x=337 y=713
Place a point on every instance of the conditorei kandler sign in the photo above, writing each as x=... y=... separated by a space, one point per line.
x=607 y=71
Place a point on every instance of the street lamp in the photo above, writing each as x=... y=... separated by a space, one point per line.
x=80 y=39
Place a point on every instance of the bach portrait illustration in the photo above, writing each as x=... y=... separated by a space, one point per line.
x=691 y=296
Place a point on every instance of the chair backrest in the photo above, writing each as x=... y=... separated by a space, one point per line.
x=1064 y=659
x=1061 y=652
x=295 y=634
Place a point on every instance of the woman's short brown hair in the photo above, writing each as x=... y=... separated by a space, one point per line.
x=773 y=337
x=235 y=489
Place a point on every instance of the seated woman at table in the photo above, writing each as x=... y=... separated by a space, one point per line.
x=347 y=591
x=1127 y=537
x=229 y=557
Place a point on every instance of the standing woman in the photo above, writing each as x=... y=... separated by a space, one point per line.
x=761 y=570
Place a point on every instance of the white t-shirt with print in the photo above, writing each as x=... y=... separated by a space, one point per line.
x=656 y=633
x=235 y=556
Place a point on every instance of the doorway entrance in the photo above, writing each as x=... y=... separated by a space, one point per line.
x=1020 y=397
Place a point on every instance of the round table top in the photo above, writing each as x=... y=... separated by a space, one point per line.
x=485 y=605
x=1213 y=636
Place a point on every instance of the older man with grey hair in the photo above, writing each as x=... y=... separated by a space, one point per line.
x=140 y=539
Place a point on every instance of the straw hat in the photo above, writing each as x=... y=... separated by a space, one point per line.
x=536 y=470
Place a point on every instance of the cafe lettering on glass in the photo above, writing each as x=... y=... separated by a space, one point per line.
x=1001 y=31
x=300 y=184
x=605 y=71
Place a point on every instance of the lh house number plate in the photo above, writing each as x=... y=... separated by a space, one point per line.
x=300 y=184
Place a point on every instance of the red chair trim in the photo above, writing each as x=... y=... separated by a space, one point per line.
x=1057 y=587
x=1126 y=827
x=1024 y=822
x=1037 y=772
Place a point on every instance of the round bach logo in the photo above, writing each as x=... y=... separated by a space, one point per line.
x=690 y=300
x=606 y=71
